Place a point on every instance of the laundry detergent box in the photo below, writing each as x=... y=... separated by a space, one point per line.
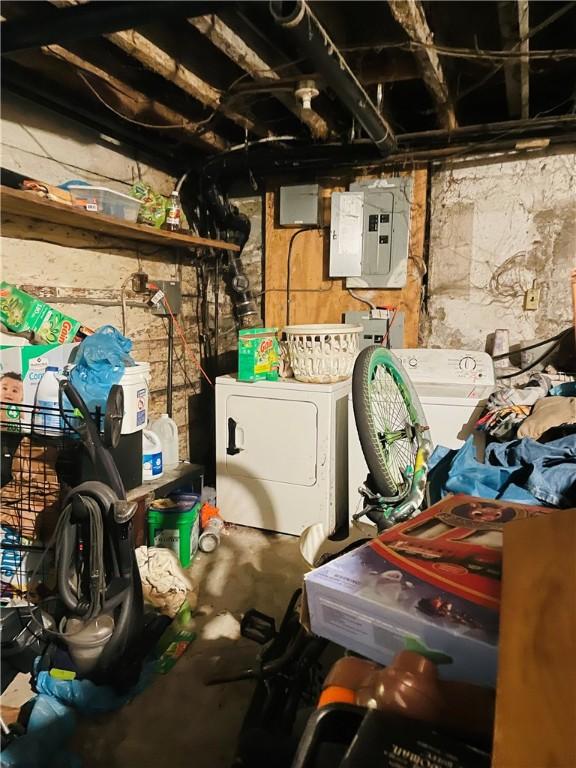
x=21 y=312
x=431 y=584
x=21 y=370
x=258 y=354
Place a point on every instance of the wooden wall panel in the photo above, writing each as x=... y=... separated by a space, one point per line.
x=325 y=300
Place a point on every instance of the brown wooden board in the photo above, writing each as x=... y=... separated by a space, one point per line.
x=14 y=201
x=325 y=300
x=536 y=694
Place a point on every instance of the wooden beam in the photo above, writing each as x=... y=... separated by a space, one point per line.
x=524 y=35
x=77 y=21
x=514 y=31
x=159 y=61
x=136 y=103
x=233 y=46
x=410 y=15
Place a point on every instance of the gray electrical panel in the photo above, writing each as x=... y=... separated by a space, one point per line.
x=300 y=205
x=370 y=232
x=379 y=327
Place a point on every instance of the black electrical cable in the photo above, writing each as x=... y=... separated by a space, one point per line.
x=546 y=354
x=289 y=267
x=560 y=335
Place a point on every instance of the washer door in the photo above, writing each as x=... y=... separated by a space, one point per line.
x=270 y=439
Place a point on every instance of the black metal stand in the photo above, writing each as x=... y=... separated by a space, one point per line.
x=170 y=365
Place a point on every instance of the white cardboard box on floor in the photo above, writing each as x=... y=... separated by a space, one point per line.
x=431 y=584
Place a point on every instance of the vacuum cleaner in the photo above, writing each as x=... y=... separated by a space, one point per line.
x=97 y=627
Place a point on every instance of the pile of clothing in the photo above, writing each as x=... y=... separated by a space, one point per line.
x=532 y=454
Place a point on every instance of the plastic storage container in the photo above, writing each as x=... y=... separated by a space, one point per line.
x=86 y=640
x=135 y=382
x=175 y=524
x=47 y=419
x=152 y=467
x=107 y=201
x=167 y=431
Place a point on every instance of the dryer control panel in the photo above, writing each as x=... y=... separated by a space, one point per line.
x=449 y=368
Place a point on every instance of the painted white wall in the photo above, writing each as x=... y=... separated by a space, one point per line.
x=495 y=229
x=44 y=145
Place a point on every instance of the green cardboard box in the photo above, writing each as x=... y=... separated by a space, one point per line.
x=258 y=354
x=21 y=312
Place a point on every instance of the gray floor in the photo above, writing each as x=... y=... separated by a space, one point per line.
x=179 y=722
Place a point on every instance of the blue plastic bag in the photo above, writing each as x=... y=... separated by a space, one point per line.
x=100 y=363
x=53 y=719
x=44 y=745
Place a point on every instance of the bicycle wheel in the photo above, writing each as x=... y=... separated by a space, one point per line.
x=389 y=418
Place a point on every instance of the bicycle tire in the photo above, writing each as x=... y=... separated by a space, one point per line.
x=385 y=469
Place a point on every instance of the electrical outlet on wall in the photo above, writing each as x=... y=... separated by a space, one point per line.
x=532 y=298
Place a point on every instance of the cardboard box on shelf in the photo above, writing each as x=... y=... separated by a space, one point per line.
x=21 y=370
x=431 y=584
x=20 y=312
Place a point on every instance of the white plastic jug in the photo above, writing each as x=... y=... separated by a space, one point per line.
x=152 y=467
x=47 y=419
x=167 y=431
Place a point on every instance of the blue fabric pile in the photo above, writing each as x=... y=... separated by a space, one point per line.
x=524 y=471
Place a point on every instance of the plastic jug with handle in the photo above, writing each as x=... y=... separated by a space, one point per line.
x=167 y=431
x=152 y=459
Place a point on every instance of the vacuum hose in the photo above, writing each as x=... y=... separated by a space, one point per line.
x=107 y=581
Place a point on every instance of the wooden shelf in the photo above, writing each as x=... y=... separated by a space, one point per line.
x=15 y=201
x=183 y=474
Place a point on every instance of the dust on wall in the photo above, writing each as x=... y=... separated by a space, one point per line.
x=496 y=230
x=87 y=275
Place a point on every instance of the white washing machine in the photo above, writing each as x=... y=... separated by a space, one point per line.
x=452 y=384
x=282 y=453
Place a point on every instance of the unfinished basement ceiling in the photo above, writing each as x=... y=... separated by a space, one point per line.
x=185 y=80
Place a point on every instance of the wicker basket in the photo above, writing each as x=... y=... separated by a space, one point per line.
x=322 y=354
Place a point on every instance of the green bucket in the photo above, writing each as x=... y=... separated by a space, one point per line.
x=175 y=528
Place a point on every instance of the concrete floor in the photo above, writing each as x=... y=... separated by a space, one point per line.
x=179 y=722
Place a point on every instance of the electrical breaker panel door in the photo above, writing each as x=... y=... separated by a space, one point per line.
x=346 y=233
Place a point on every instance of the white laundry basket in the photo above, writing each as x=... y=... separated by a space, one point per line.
x=322 y=354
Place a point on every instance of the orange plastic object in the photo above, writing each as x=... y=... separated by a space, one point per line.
x=207 y=513
x=410 y=686
x=335 y=694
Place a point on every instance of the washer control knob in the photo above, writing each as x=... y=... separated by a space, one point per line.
x=412 y=362
x=467 y=364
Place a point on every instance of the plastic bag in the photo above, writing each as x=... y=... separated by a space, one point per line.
x=44 y=745
x=100 y=363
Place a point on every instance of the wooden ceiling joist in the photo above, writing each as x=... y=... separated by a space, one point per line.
x=237 y=50
x=410 y=15
x=134 y=103
x=159 y=61
x=524 y=34
x=514 y=31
